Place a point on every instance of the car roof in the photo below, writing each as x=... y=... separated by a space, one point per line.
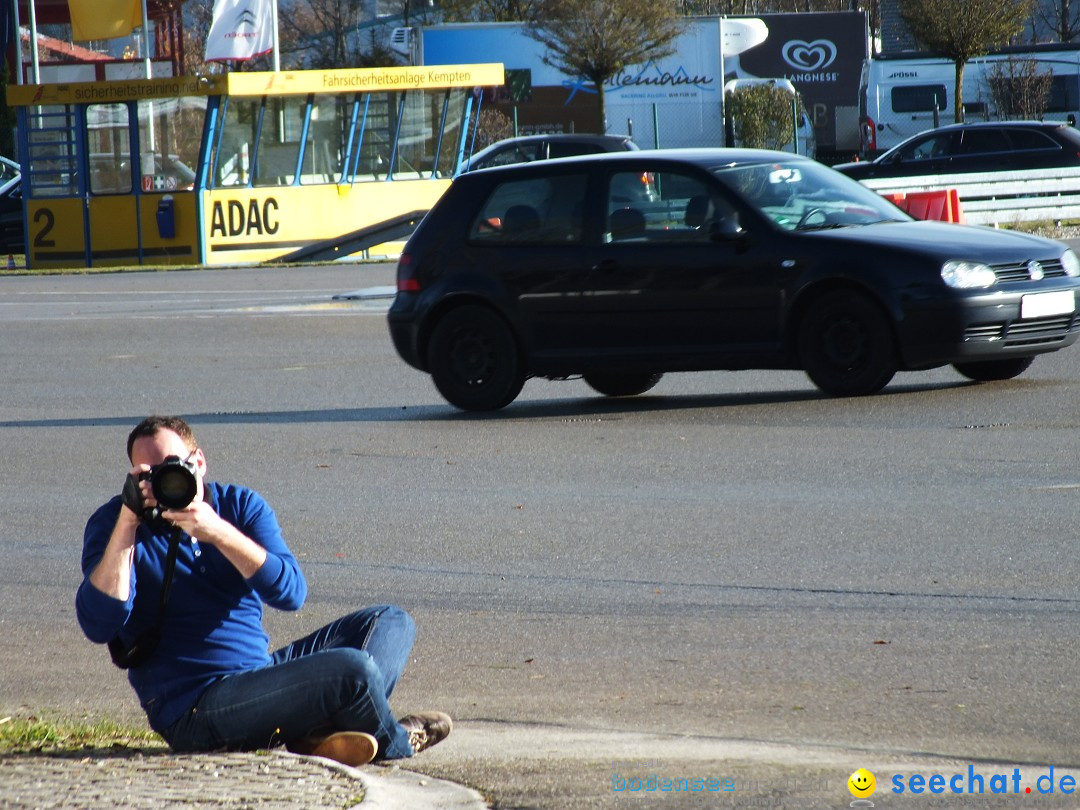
x=703 y=157
x=998 y=125
x=585 y=137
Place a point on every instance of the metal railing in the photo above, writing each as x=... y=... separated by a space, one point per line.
x=1000 y=198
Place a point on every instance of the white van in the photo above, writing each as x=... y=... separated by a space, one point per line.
x=901 y=96
x=805 y=140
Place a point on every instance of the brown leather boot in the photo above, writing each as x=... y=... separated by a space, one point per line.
x=352 y=748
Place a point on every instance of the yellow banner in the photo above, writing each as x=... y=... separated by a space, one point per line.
x=103 y=19
x=364 y=80
x=21 y=95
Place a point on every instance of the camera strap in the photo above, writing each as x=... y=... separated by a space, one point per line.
x=143 y=646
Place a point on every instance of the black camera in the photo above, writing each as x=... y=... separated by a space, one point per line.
x=173 y=483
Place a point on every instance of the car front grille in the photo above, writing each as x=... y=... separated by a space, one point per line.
x=1021 y=271
x=1034 y=332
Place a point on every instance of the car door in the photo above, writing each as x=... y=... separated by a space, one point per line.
x=931 y=154
x=662 y=288
x=529 y=234
x=984 y=149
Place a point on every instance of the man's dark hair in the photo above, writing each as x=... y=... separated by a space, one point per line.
x=152 y=425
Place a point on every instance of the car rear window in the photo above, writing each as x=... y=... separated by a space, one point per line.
x=539 y=210
x=1031 y=139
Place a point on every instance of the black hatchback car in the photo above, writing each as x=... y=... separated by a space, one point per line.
x=978 y=147
x=736 y=259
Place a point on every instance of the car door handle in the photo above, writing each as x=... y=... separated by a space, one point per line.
x=607 y=266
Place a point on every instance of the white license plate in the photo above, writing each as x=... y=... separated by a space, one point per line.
x=1043 y=305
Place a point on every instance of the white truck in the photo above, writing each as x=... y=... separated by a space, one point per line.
x=903 y=94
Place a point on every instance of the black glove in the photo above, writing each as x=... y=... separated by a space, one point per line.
x=132 y=497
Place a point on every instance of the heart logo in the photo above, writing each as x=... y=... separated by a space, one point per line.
x=809 y=55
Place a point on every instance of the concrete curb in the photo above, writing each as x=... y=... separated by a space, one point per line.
x=390 y=787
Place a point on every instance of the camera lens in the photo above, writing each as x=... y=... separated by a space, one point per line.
x=174 y=484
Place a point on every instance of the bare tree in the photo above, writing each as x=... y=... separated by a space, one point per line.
x=961 y=29
x=324 y=31
x=1020 y=89
x=597 y=39
x=1060 y=17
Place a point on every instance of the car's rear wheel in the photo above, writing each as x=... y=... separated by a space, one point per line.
x=989 y=370
x=621 y=385
x=474 y=360
x=846 y=344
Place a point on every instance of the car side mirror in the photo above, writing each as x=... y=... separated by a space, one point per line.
x=726 y=228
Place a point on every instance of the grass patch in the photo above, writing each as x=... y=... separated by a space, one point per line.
x=20 y=735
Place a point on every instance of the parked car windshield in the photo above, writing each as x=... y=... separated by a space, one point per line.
x=803 y=195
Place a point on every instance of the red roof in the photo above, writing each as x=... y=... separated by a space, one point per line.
x=66 y=51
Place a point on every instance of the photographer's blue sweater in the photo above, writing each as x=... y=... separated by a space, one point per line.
x=213 y=623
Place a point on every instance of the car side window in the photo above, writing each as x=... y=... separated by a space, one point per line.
x=982 y=141
x=927 y=149
x=557 y=149
x=511 y=154
x=543 y=210
x=644 y=206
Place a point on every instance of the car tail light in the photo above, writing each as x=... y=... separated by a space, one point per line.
x=406 y=280
x=868 y=136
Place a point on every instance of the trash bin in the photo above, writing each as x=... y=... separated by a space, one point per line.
x=166 y=218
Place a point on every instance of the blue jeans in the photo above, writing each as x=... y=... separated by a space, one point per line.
x=339 y=678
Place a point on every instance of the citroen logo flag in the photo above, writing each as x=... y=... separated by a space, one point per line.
x=103 y=19
x=241 y=29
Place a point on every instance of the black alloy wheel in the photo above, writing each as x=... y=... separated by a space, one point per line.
x=846 y=344
x=473 y=359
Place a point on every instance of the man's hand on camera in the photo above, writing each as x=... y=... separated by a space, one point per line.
x=198 y=519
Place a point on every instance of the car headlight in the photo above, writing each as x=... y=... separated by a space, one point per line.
x=967 y=275
x=1070 y=263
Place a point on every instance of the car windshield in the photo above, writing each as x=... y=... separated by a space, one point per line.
x=804 y=195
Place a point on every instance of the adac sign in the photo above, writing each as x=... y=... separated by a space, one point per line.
x=244 y=218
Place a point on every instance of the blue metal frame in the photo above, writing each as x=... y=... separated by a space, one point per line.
x=392 y=168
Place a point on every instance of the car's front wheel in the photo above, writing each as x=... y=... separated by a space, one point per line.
x=474 y=361
x=621 y=385
x=990 y=370
x=846 y=344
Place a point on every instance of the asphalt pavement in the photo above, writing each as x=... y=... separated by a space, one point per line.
x=733 y=582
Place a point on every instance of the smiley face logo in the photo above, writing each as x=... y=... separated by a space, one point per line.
x=862 y=784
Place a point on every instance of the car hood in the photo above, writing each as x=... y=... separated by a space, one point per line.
x=946 y=240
